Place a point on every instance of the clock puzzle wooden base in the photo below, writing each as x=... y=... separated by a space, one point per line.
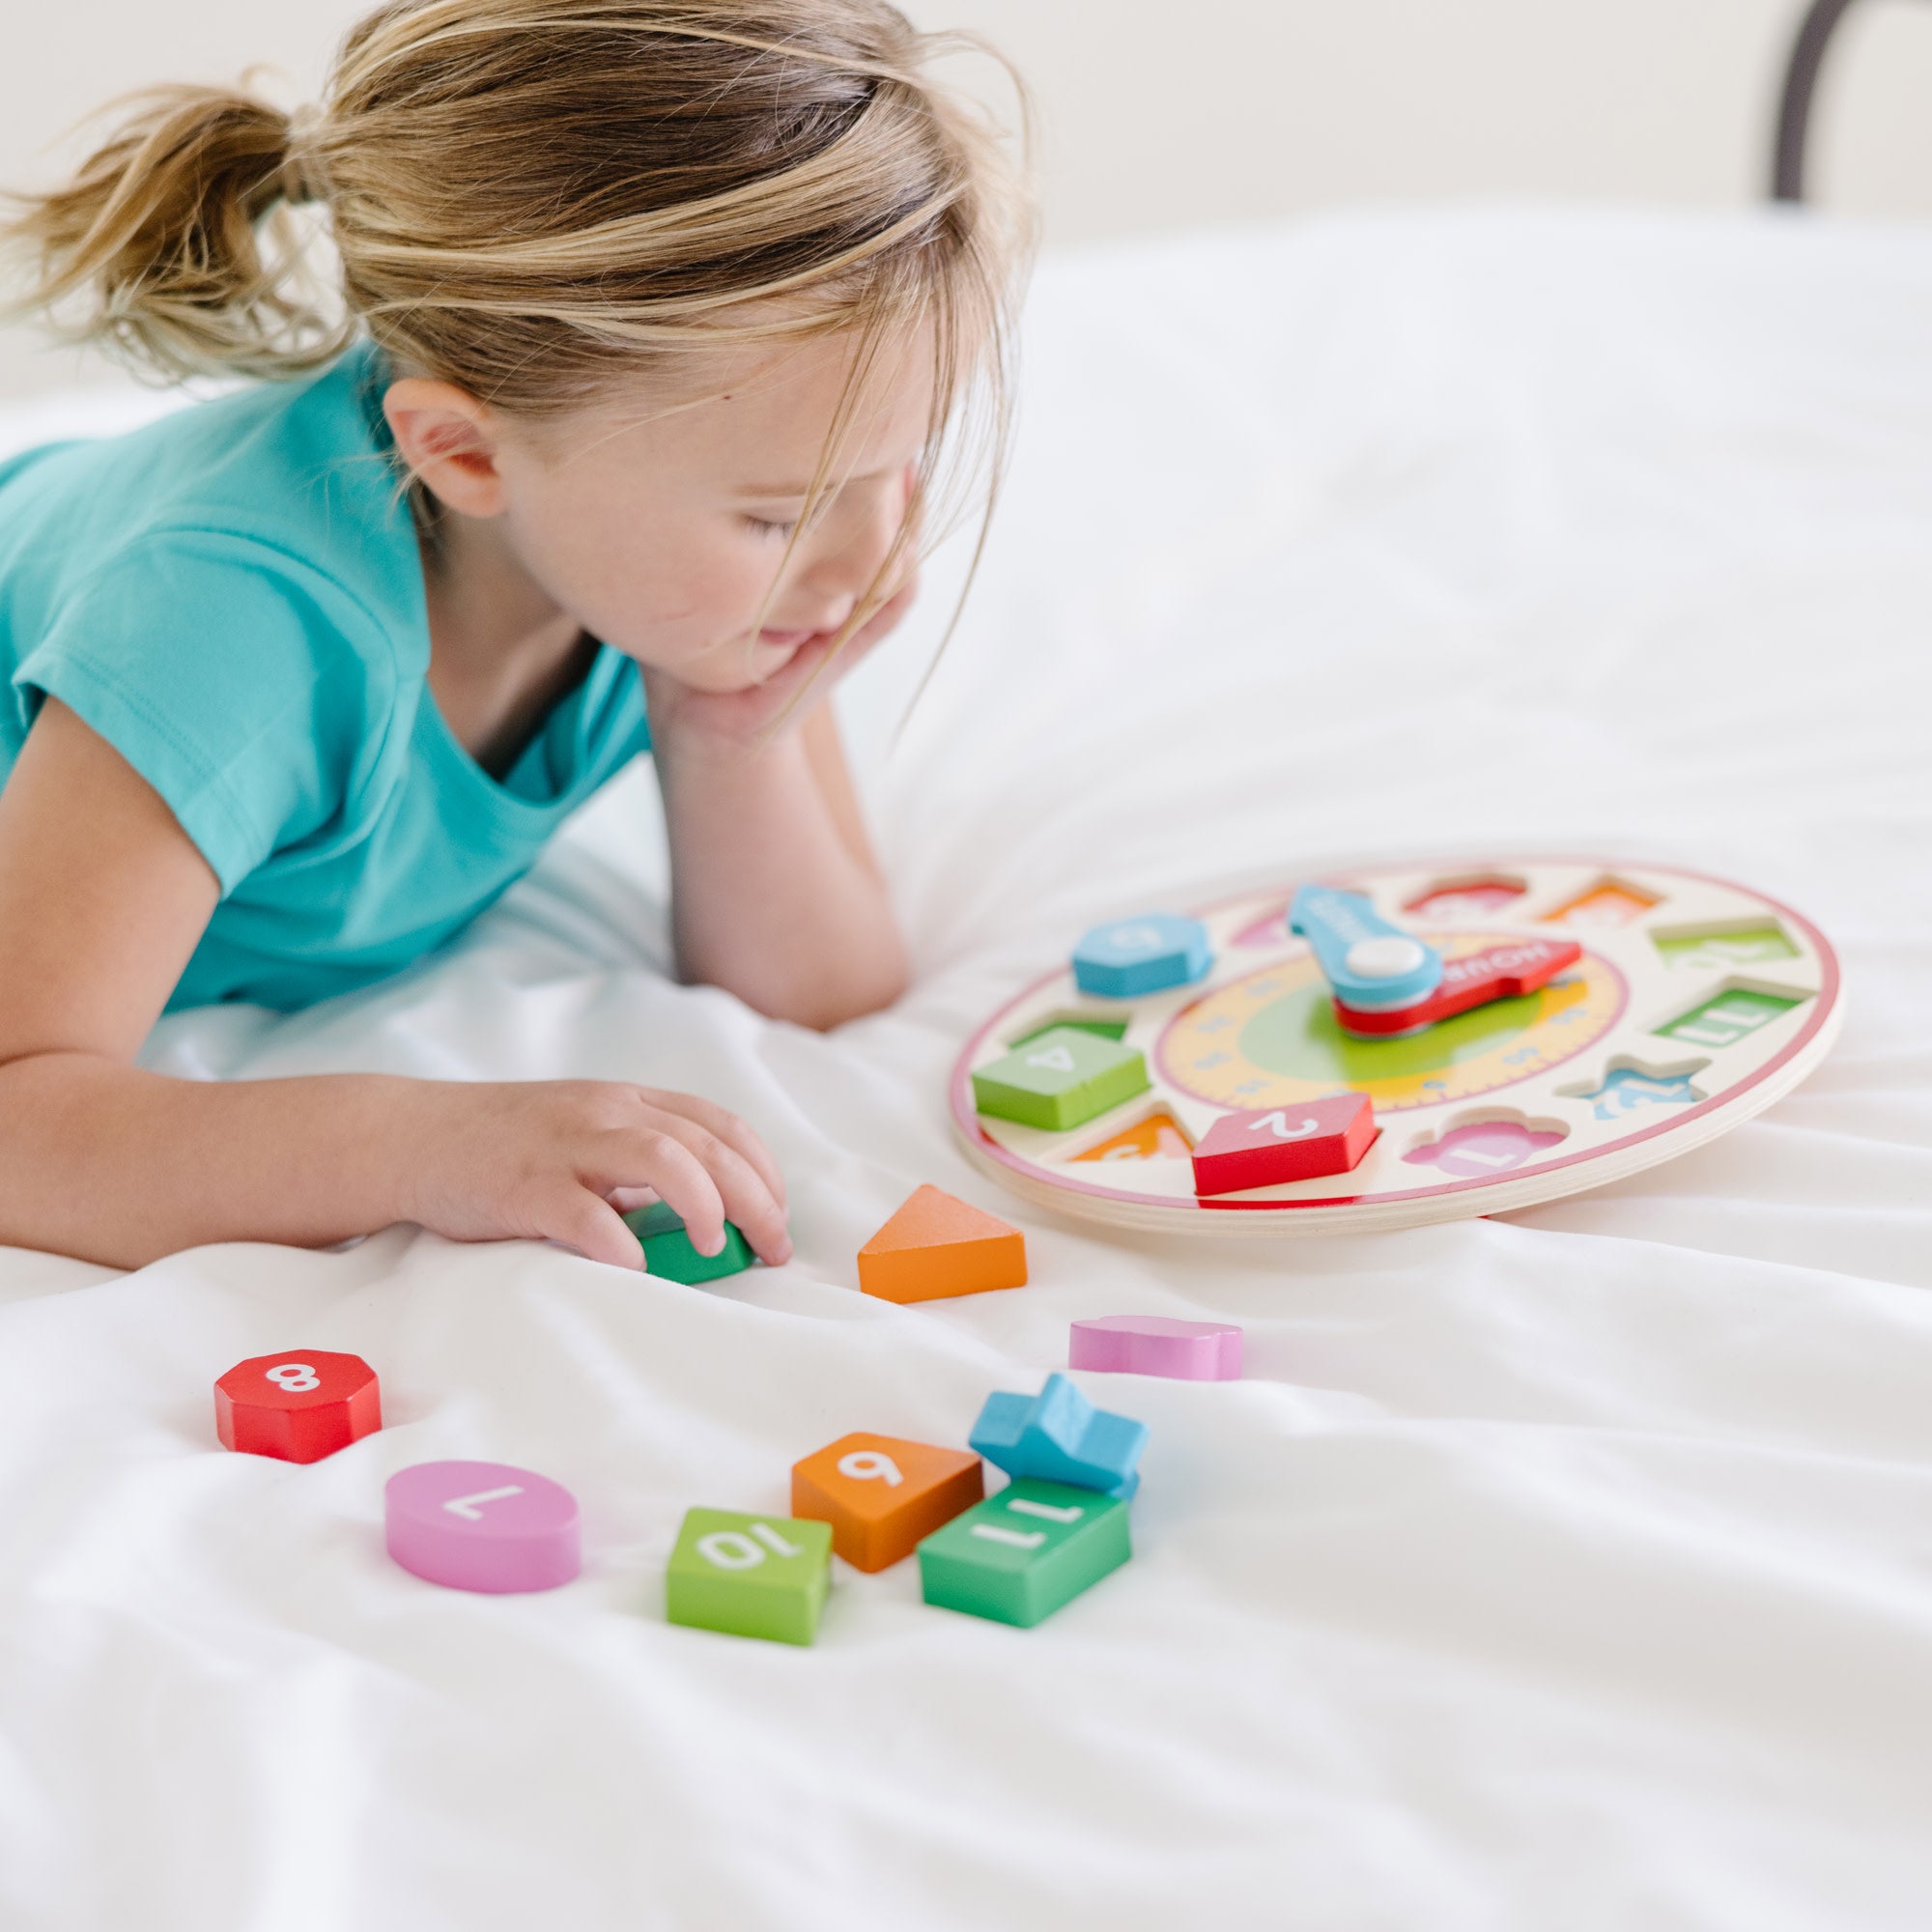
x=1694 y=1004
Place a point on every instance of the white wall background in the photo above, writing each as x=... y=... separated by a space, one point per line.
x=1158 y=114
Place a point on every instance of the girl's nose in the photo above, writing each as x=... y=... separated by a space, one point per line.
x=844 y=573
x=832 y=612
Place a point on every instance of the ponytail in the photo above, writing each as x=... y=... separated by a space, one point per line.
x=172 y=245
x=529 y=198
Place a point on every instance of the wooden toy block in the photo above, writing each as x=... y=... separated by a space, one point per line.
x=1019 y=1555
x=1504 y=972
x=485 y=1526
x=668 y=1249
x=1059 y=1437
x=881 y=1494
x=1061 y=1079
x=1153 y=1344
x=300 y=1407
x=1368 y=962
x=750 y=1576
x=1146 y=955
x=938 y=1245
x=1295 y=1143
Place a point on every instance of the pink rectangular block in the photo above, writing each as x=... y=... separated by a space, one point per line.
x=1151 y=1345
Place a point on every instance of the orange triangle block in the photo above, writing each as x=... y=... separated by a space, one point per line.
x=937 y=1245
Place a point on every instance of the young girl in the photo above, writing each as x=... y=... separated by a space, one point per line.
x=656 y=311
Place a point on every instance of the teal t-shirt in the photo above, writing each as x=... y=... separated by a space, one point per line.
x=233 y=598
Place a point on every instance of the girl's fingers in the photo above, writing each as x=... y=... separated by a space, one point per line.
x=748 y=1200
x=580 y=1220
x=649 y=1156
x=729 y=1128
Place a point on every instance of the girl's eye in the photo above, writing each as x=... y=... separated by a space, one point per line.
x=763 y=528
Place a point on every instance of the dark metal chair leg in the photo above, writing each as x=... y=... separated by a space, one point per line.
x=1794 y=109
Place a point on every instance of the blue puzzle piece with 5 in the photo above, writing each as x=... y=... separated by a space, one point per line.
x=1371 y=964
x=1059 y=1437
x=1139 y=956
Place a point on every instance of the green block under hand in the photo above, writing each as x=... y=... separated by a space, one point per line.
x=668 y=1252
x=750 y=1576
x=1059 y=1079
x=1017 y=1557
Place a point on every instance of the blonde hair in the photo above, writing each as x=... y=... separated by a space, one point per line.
x=534 y=199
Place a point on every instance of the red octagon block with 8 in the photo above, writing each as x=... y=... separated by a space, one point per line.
x=301 y=1406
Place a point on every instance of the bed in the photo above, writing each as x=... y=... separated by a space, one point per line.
x=1572 y=1568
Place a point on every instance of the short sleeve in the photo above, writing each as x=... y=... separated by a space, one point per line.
x=243 y=685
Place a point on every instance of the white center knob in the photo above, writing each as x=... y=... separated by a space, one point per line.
x=1386 y=958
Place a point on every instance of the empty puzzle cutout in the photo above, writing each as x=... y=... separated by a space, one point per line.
x=1478 y=895
x=1101 y=1025
x=1715 y=949
x=1610 y=902
x=1627 y=1086
x=1730 y=1014
x=1475 y=1148
x=1270 y=930
x=1157 y=1137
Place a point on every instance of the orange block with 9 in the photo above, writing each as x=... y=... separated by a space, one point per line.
x=300 y=1407
x=882 y=1495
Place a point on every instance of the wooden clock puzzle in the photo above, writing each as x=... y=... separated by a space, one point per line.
x=1395 y=1045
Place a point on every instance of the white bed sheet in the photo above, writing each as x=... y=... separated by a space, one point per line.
x=1573 y=1570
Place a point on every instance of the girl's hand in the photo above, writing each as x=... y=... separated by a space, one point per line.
x=561 y=1158
x=740 y=719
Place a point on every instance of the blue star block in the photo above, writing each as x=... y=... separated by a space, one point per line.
x=1142 y=955
x=1059 y=1437
x=1372 y=965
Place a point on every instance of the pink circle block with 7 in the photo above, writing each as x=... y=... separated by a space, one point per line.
x=1153 y=1344
x=485 y=1526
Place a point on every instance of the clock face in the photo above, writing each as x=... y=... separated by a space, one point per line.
x=1270 y=1037
x=1694 y=1003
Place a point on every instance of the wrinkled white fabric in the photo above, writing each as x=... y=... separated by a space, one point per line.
x=1569 y=1571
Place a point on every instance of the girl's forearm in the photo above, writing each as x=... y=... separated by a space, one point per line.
x=115 y=1165
x=774 y=895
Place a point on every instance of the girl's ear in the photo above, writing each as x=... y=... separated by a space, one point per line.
x=449 y=441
